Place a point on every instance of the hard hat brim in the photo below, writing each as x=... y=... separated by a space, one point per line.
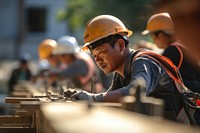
x=85 y=46
x=145 y=32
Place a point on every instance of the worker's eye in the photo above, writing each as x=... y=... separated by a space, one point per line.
x=102 y=52
x=94 y=56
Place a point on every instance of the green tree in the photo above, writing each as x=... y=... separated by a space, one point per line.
x=133 y=13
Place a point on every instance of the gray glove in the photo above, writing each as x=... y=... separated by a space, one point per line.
x=91 y=97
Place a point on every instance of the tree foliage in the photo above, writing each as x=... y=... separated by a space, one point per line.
x=133 y=13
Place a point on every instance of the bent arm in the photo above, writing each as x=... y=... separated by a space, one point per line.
x=142 y=69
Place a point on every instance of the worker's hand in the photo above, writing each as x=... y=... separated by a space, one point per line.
x=69 y=92
x=84 y=95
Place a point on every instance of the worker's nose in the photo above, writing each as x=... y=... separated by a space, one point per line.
x=98 y=58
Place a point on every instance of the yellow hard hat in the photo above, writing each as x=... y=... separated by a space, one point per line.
x=158 y=22
x=46 y=48
x=103 y=26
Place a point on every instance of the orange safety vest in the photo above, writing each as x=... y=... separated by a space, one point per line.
x=173 y=72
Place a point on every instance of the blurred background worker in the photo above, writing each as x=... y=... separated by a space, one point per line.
x=161 y=29
x=45 y=50
x=20 y=74
x=80 y=68
x=185 y=15
x=48 y=62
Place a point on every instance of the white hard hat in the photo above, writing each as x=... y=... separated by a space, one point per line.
x=66 y=45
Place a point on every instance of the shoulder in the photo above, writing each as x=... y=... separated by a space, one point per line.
x=80 y=62
x=171 y=49
x=147 y=59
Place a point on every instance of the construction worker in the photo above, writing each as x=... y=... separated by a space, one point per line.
x=161 y=29
x=107 y=38
x=45 y=52
x=19 y=74
x=80 y=66
x=185 y=15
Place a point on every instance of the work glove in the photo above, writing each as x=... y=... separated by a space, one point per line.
x=91 y=97
x=69 y=92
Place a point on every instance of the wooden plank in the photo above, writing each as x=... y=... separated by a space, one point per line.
x=23 y=112
x=20 y=90
x=66 y=117
x=15 y=120
x=17 y=130
x=19 y=99
x=21 y=94
x=31 y=106
x=34 y=91
x=107 y=104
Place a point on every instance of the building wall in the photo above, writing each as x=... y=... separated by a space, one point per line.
x=9 y=27
x=10 y=48
x=8 y=15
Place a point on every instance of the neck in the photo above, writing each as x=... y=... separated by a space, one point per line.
x=120 y=70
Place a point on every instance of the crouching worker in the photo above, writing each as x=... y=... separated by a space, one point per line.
x=107 y=39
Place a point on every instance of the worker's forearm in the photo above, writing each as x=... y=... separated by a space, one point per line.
x=112 y=96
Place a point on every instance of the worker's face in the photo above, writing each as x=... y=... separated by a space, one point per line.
x=107 y=58
x=159 y=40
x=186 y=17
x=24 y=66
x=53 y=60
x=66 y=59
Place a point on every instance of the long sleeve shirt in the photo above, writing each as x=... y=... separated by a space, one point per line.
x=157 y=82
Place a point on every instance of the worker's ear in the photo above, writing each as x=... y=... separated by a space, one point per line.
x=121 y=45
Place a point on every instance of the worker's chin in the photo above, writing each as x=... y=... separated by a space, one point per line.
x=106 y=70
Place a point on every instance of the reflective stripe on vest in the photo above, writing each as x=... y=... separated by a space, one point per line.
x=182 y=115
x=165 y=60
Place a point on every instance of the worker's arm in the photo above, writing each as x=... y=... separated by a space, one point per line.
x=143 y=71
x=140 y=69
x=78 y=68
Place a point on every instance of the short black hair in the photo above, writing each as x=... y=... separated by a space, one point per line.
x=23 y=61
x=161 y=31
x=111 y=39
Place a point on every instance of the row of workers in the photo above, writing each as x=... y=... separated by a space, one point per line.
x=107 y=38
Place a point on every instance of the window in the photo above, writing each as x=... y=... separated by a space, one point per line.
x=36 y=19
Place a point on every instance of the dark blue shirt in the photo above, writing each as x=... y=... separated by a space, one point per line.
x=157 y=82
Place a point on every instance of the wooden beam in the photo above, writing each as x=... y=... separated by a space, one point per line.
x=15 y=120
x=21 y=94
x=17 y=130
x=19 y=99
